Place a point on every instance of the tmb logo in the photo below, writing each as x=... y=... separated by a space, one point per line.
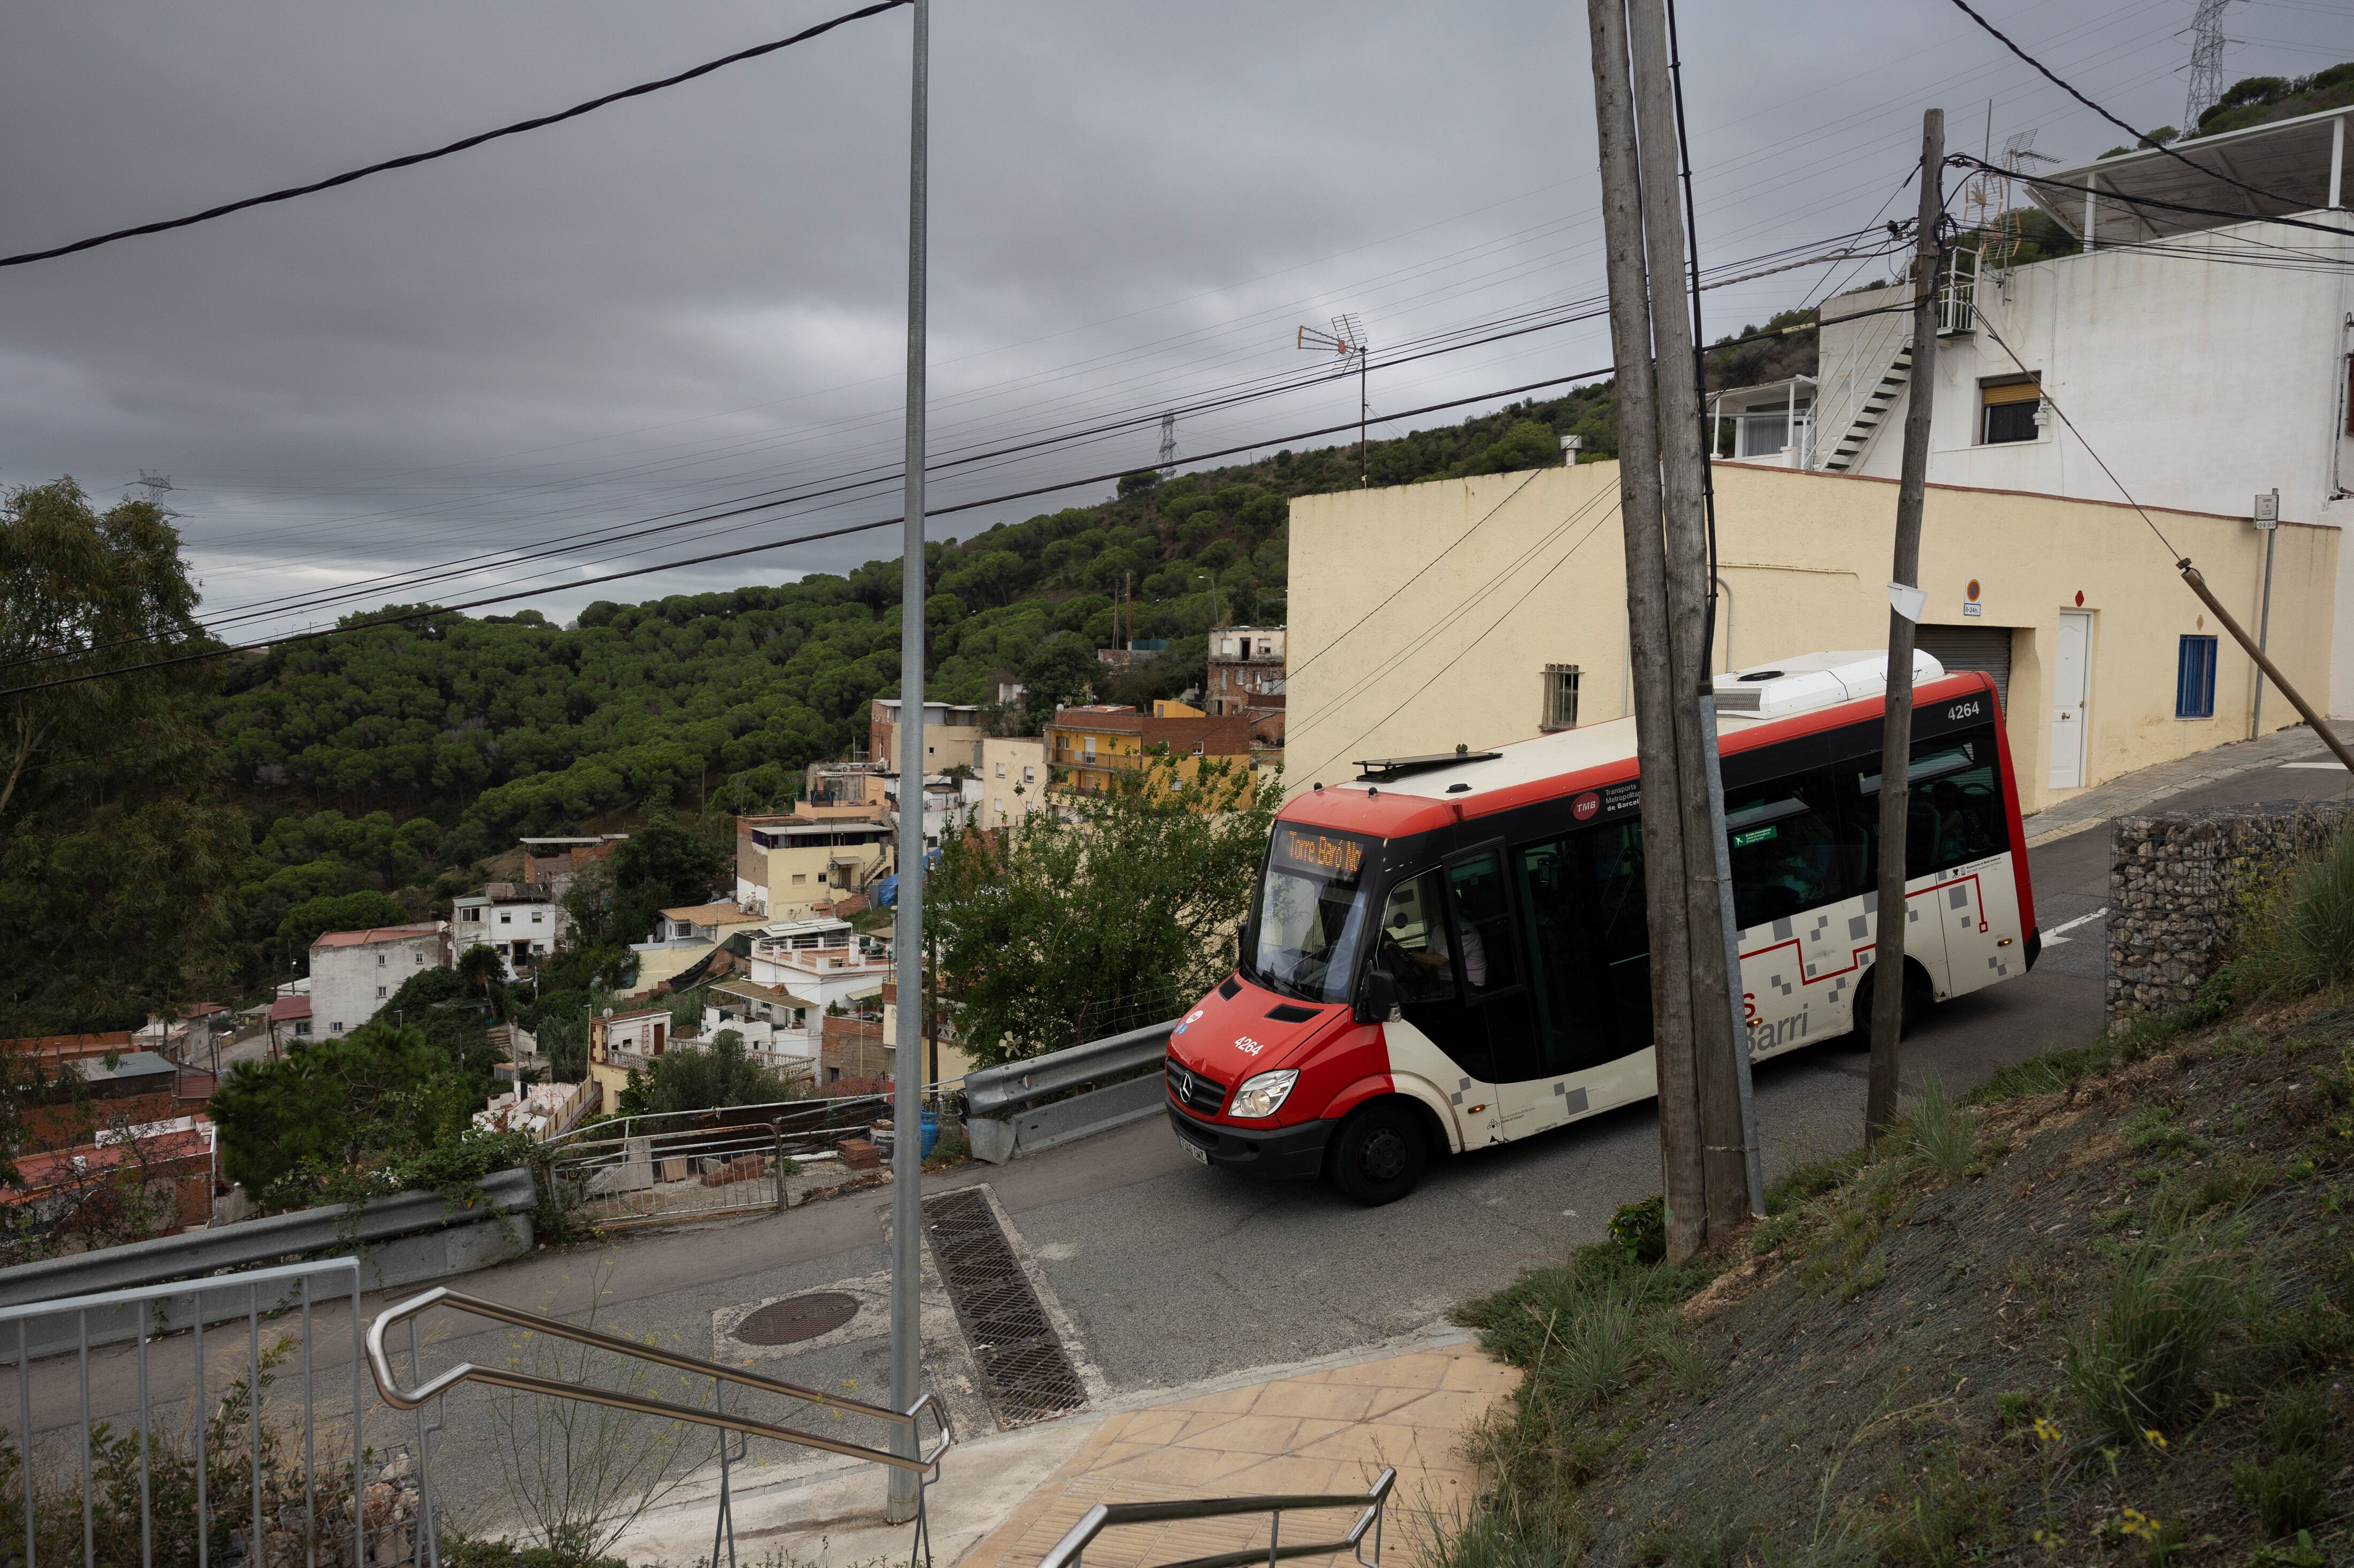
x=1586 y=805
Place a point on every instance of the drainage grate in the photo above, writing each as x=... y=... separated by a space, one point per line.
x=798 y=1318
x=1025 y=1369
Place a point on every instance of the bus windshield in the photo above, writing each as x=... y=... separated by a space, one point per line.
x=1310 y=913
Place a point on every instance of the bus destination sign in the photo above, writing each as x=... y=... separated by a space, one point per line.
x=1336 y=857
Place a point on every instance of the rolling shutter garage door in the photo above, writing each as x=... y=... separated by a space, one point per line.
x=1986 y=648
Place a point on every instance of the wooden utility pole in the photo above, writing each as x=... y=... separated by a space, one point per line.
x=1640 y=499
x=1724 y=1139
x=1888 y=986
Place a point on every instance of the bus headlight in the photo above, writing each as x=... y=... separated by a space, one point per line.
x=1263 y=1095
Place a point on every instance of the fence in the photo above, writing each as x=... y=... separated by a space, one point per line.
x=671 y=1166
x=178 y=1448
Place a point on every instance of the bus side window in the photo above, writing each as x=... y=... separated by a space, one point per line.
x=1792 y=849
x=1483 y=924
x=1954 y=810
x=1414 y=943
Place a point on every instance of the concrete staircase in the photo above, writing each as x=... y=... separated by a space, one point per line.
x=1857 y=441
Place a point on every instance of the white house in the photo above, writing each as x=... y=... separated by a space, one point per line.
x=822 y=961
x=524 y=920
x=2204 y=354
x=353 y=973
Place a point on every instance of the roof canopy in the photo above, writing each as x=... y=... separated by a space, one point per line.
x=2290 y=157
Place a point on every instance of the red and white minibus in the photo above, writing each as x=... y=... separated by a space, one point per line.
x=1451 y=952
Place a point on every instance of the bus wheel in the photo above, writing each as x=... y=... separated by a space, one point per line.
x=1919 y=997
x=1380 y=1153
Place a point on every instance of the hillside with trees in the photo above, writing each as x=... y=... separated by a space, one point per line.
x=338 y=781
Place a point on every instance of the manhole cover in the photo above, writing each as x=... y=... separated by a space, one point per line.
x=798 y=1318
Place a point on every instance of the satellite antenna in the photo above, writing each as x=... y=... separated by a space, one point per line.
x=1347 y=340
x=1168 y=445
x=2207 y=41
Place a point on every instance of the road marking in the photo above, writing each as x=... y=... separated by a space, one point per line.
x=2052 y=938
x=2333 y=765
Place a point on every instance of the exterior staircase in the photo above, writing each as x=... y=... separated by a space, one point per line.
x=1852 y=445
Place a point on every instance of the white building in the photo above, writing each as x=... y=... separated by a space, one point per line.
x=524 y=920
x=2204 y=355
x=822 y=961
x=782 y=1030
x=353 y=973
x=948 y=802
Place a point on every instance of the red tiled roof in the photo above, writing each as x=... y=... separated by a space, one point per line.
x=373 y=934
x=289 y=1007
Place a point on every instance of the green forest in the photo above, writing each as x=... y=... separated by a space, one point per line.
x=355 y=779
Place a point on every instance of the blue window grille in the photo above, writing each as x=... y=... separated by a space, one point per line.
x=2194 y=679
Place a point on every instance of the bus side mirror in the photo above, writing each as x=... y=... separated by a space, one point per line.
x=1377 y=997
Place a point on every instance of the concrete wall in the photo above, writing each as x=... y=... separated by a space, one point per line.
x=1521 y=570
x=2201 y=384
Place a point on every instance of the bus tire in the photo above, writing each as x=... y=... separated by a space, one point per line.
x=1381 y=1153
x=1919 y=997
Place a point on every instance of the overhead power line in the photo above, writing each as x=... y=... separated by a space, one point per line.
x=2140 y=138
x=518 y=128
x=1964 y=160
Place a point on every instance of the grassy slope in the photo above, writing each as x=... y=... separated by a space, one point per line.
x=1866 y=1385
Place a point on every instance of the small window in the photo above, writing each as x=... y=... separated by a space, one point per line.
x=799 y=877
x=1560 y=698
x=336 y=1027
x=506 y=917
x=379 y=993
x=303 y=1027
x=2007 y=412
x=539 y=917
x=1029 y=776
x=420 y=954
x=2194 y=679
x=1000 y=770
x=379 y=960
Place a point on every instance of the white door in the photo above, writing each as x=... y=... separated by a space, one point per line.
x=2071 y=672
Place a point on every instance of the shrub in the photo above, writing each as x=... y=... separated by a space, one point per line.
x=2134 y=1367
x=2298 y=1419
x=2300 y=937
x=1941 y=1131
x=1642 y=1229
x=2286 y=1494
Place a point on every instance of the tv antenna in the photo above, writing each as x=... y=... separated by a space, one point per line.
x=2207 y=41
x=1988 y=198
x=1168 y=446
x=1347 y=340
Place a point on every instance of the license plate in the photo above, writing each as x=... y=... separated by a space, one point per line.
x=1201 y=1156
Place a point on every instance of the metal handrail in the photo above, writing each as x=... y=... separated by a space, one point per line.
x=1067 y=1551
x=926 y=1463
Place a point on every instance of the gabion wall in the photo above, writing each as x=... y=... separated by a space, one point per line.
x=2178 y=887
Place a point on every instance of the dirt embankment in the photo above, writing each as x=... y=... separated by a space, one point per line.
x=2105 y=1318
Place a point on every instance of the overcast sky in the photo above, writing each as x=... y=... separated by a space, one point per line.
x=700 y=296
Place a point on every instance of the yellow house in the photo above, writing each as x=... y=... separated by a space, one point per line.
x=1087 y=748
x=1483 y=610
x=788 y=865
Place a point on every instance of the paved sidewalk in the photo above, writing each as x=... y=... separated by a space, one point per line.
x=1003 y=1500
x=2147 y=786
x=1330 y=1431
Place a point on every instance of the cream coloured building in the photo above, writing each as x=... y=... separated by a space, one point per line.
x=1509 y=614
x=1012 y=780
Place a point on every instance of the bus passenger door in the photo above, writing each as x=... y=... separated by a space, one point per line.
x=1442 y=1039
x=1488 y=954
x=1799 y=894
x=1589 y=963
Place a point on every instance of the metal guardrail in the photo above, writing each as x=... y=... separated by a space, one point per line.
x=402 y=1239
x=1068 y=1552
x=924 y=1462
x=125 y=1480
x=1020 y=1108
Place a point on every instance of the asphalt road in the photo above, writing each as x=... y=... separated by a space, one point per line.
x=1172 y=1273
